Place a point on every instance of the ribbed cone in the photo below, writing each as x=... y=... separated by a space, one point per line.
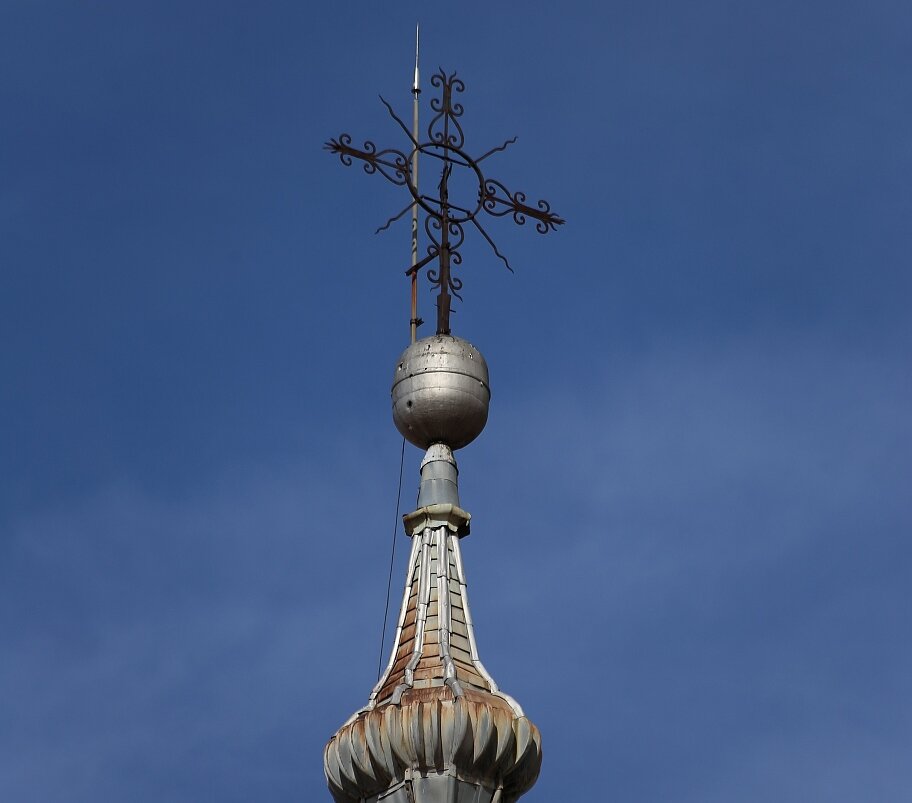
x=436 y=728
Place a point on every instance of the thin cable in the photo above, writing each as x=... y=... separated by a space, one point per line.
x=389 y=582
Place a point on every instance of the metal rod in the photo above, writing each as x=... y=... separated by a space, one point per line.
x=443 y=297
x=416 y=90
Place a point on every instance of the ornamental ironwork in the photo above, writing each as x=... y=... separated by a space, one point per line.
x=445 y=218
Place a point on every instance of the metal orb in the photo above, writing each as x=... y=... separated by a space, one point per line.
x=440 y=392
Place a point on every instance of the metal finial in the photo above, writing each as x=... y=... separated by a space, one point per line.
x=416 y=85
x=445 y=217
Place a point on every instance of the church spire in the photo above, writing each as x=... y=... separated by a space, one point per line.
x=436 y=728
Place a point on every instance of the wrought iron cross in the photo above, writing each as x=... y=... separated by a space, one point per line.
x=444 y=218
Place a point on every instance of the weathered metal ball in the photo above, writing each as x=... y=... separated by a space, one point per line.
x=440 y=392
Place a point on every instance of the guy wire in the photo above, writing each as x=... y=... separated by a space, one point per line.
x=389 y=581
x=413 y=326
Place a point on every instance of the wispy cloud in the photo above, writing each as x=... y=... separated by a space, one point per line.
x=717 y=572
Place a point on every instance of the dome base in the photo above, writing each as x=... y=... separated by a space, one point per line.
x=436 y=788
x=434 y=746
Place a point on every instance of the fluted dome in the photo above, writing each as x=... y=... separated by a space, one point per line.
x=436 y=728
x=435 y=742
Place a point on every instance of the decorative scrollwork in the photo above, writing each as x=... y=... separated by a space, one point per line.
x=449 y=246
x=514 y=203
x=454 y=283
x=444 y=217
x=457 y=232
x=431 y=223
x=444 y=129
x=396 y=169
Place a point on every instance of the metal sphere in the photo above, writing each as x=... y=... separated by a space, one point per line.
x=440 y=392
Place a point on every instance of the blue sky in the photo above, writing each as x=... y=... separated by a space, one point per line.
x=691 y=552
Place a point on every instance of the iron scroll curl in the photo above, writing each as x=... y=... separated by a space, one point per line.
x=445 y=218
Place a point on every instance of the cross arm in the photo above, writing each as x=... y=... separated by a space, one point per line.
x=392 y=164
x=498 y=201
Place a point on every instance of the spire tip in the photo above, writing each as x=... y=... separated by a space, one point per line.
x=416 y=87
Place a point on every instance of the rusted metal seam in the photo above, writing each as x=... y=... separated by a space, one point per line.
x=424 y=601
x=445 y=624
x=470 y=628
x=372 y=700
x=424 y=593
